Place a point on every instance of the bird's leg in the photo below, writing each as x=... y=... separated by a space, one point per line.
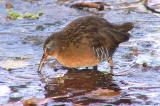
x=86 y=68
x=95 y=68
x=110 y=61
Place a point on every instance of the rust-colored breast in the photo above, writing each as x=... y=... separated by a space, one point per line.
x=78 y=54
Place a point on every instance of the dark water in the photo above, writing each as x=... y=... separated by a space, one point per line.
x=21 y=44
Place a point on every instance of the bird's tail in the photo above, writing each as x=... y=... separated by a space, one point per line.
x=122 y=35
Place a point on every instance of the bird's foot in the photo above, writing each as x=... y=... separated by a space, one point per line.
x=95 y=68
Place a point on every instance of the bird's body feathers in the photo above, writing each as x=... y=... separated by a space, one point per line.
x=88 y=41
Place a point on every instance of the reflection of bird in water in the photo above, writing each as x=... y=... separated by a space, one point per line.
x=82 y=84
x=85 y=42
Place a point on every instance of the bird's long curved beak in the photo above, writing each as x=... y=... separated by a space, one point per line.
x=42 y=62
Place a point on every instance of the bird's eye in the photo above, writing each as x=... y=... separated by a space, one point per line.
x=50 y=50
x=50 y=47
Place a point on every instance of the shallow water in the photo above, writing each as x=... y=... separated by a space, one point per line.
x=21 y=49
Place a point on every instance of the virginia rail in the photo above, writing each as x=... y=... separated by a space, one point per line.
x=85 y=42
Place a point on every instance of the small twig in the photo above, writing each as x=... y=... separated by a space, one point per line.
x=58 y=97
x=149 y=8
x=98 y=5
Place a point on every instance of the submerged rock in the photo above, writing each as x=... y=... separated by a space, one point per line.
x=13 y=64
x=149 y=60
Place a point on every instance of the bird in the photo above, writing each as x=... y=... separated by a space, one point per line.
x=85 y=42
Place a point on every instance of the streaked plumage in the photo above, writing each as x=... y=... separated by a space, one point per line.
x=86 y=41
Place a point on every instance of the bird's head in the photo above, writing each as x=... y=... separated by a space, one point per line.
x=49 y=50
